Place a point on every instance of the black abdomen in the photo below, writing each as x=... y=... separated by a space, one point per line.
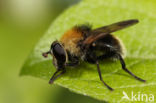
x=107 y=44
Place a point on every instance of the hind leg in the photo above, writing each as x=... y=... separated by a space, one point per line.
x=114 y=54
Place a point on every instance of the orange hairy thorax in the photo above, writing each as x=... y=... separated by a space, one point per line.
x=70 y=40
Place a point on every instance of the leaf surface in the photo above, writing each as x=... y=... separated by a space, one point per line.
x=139 y=41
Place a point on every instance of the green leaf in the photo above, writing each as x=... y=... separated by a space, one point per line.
x=139 y=40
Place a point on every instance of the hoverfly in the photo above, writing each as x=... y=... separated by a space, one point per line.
x=82 y=43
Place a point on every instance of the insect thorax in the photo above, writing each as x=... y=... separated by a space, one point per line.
x=70 y=41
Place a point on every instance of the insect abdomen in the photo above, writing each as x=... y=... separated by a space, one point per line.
x=111 y=41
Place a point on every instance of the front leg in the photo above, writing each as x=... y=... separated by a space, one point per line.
x=55 y=76
x=73 y=61
x=72 y=64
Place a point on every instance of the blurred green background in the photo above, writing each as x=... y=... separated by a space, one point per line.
x=22 y=23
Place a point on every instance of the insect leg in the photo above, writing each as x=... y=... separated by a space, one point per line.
x=73 y=60
x=54 y=77
x=72 y=63
x=99 y=71
x=125 y=69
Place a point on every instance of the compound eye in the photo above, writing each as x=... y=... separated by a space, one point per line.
x=59 y=52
